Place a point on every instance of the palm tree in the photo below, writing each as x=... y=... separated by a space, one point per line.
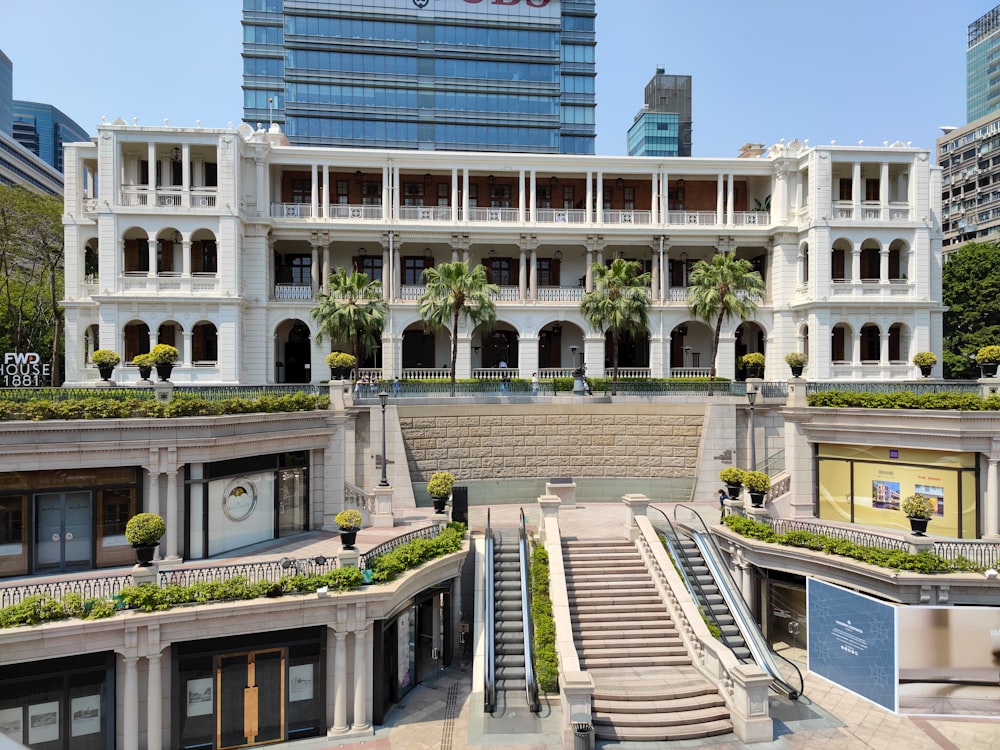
x=619 y=302
x=453 y=292
x=724 y=289
x=353 y=313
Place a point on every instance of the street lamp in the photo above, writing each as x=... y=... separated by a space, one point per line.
x=751 y=398
x=383 y=398
x=573 y=350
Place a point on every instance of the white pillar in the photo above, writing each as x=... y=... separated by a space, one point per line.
x=340 y=683
x=314 y=269
x=992 y=527
x=173 y=524
x=522 y=276
x=361 y=669
x=186 y=258
x=131 y=704
x=522 y=203
x=187 y=350
x=533 y=275
x=154 y=704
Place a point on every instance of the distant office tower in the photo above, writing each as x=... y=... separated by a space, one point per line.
x=19 y=165
x=43 y=129
x=663 y=125
x=477 y=75
x=982 y=84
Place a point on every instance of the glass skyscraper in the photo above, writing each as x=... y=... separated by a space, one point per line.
x=663 y=125
x=43 y=129
x=476 y=75
x=982 y=93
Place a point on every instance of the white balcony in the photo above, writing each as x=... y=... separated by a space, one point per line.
x=167 y=282
x=560 y=216
x=560 y=294
x=293 y=291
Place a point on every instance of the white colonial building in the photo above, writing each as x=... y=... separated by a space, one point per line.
x=218 y=241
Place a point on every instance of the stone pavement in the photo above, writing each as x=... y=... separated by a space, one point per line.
x=439 y=714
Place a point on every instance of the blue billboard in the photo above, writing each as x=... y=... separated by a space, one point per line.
x=852 y=641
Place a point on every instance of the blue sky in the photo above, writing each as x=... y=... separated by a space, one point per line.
x=875 y=70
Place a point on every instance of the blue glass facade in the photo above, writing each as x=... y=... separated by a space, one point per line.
x=476 y=75
x=982 y=66
x=654 y=134
x=43 y=129
x=6 y=93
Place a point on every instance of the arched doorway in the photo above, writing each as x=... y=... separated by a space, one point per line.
x=293 y=363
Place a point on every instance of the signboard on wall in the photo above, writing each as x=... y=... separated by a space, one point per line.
x=852 y=641
x=25 y=370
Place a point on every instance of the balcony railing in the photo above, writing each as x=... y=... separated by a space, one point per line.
x=293 y=291
x=560 y=293
x=425 y=213
x=560 y=216
x=493 y=214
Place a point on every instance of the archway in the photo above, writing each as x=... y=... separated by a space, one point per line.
x=293 y=358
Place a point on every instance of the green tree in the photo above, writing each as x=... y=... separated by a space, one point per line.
x=454 y=292
x=352 y=313
x=724 y=289
x=31 y=274
x=971 y=290
x=618 y=303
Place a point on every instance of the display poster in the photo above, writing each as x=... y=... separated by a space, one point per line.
x=300 y=683
x=852 y=641
x=951 y=661
x=12 y=723
x=85 y=715
x=241 y=511
x=200 y=696
x=43 y=723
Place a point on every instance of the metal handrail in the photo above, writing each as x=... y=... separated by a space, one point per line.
x=530 y=682
x=490 y=699
x=762 y=652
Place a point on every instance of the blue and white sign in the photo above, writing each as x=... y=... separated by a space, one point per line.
x=852 y=641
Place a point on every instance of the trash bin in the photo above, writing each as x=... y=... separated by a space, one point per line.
x=583 y=737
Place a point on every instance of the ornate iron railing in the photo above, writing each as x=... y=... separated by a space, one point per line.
x=365 y=559
x=253 y=572
x=859 y=386
x=986 y=554
x=865 y=538
x=105 y=587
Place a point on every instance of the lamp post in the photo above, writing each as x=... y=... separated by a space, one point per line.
x=573 y=350
x=751 y=398
x=383 y=398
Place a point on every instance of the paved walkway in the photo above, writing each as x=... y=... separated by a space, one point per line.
x=439 y=714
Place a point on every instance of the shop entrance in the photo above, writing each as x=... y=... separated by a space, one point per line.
x=63 y=531
x=251 y=699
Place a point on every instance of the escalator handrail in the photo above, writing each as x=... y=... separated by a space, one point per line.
x=754 y=638
x=694 y=586
x=489 y=699
x=530 y=682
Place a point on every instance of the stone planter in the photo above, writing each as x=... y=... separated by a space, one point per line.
x=918 y=526
x=348 y=538
x=757 y=499
x=106 y=371
x=145 y=372
x=144 y=554
x=925 y=370
x=440 y=503
x=797 y=370
x=163 y=371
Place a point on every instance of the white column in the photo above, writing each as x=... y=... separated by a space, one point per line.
x=655 y=276
x=856 y=347
x=856 y=189
x=465 y=194
x=131 y=704
x=588 y=283
x=883 y=265
x=173 y=523
x=883 y=190
x=340 y=683
x=533 y=275
x=599 y=208
x=361 y=669
x=590 y=198
x=522 y=276
x=263 y=199
x=187 y=350
x=151 y=177
x=314 y=191
x=326 y=191
x=154 y=704
x=325 y=270
x=522 y=199
x=186 y=258
x=454 y=195
x=314 y=269
x=533 y=195
x=151 y=246
x=992 y=526
x=731 y=201
x=719 y=219
x=856 y=264
x=654 y=199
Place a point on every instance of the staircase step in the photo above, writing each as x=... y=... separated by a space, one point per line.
x=601 y=662
x=663 y=733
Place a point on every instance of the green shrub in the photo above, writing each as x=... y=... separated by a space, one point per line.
x=348 y=520
x=925 y=359
x=918 y=506
x=796 y=359
x=441 y=484
x=386 y=567
x=732 y=475
x=340 y=361
x=105 y=358
x=988 y=354
x=752 y=359
x=546 y=658
x=756 y=481
x=164 y=354
x=144 y=528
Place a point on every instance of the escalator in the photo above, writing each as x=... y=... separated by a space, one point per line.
x=510 y=678
x=712 y=586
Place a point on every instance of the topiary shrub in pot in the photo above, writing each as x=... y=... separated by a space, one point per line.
x=340 y=364
x=144 y=531
x=757 y=484
x=164 y=356
x=733 y=479
x=349 y=523
x=988 y=358
x=753 y=363
x=925 y=361
x=145 y=364
x=797 y=362
x=918 y=509
x=439 y=488
x=106 y=361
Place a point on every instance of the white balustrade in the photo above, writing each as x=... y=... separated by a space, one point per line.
x=293 y=291
x=560 y=293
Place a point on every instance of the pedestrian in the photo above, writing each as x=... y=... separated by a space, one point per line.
x=534 y=384
x=586 y=387
x=722 y=504
x=395 y=385
x=502 y=365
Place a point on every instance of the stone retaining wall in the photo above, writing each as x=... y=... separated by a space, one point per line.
x=548 y=439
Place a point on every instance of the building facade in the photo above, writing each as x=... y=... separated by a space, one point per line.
x=969 y=158
x=510 y=75
x=982 y=94
x=220 y=241
x=43 y=129
x=663 y=125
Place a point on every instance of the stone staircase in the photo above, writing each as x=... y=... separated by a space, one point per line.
x=645 y=687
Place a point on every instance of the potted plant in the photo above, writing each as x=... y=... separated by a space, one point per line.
x=340 y=364
x=349 y=523
x=144 y=531
x=145 y=364
x=988 y=358
x=925 y=361
x=918 y=509
x=733 y=479
x=164 y=356
x=439 y=488
x=753 y=363
x=797 y=361
x=757 y=484
x=106 y=361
